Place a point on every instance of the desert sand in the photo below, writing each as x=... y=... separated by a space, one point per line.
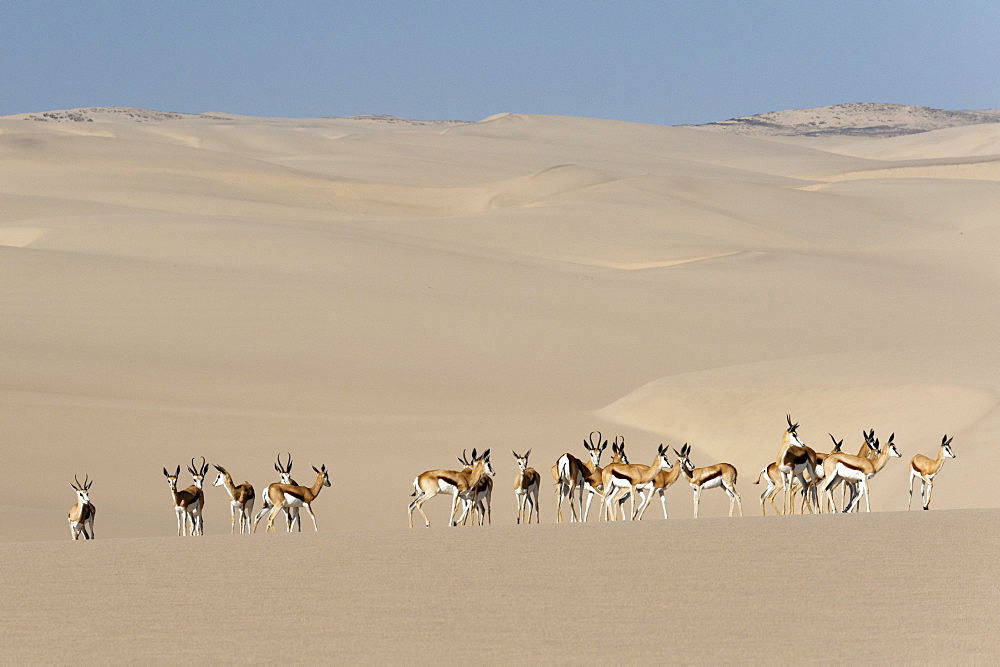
x=378 y=295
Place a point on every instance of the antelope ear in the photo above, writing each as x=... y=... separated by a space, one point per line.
x=944 y=440
x=75 y=489
x=486 y=455
x=165 y=473
x=949 y=440
x=178 y=470
x=474 y=457
x=527 y=454
x=315 y=468
x=604 y=446
x=323 y=468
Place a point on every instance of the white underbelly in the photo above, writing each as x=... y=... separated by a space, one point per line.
x=293 y=501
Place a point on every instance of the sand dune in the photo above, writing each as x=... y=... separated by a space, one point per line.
x=379 y=295
x=366 y=292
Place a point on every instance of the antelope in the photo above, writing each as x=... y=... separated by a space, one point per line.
x=569 y=474
x=796 y=459
x=619 y=476
x=241 y=499
x=593 y=483
x=187 y=503
x=198 y=473
x=458 y=483
x=663 y=480
x=709 y=477
x=856 y=469
x=82 y=513
x=291 y=513
x=925 y=469
x=526 y=488
x=774 y=480
x=293 y=495
x=481 y=500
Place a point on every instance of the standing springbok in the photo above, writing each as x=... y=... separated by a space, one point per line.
x=241 y=499
x=663 y=480
x=857 y=470
x=570 y=474
x=292 y=495
x=458 y=483
x=480 y=497
x=291 y=513
x=620 y=476
x=718 y=475
x=526 y=488
x=593 y=483
x=198 y=472
x=925 y=469
x=796 y=459
x=82 y=513
x=186 y=503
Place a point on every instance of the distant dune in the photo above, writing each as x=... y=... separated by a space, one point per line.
x=380 y=294
x=855 y=120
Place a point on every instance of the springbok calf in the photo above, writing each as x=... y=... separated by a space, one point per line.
x=526 y=488
x=718 y=475
x=617 y=477
x=82 y=513
x=856 y=469
x=570 y=473
x=241 y=499
x=292 y=495
x=291 y=513
x=925 y=469
x=187 y=503
x=458 y=483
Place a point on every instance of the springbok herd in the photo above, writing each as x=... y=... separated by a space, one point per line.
x=798 y=470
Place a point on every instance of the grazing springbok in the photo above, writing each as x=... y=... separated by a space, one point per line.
x=187 y=503
x=241 y=499
x=718 y=475
x=925 y=469
x=857 y=470
x=795 y=461
x=293 y=495
x=617 y=477
x=458 y=483
x=526 y=488
x=570 y=473
x=291 y=513
x=82 y=513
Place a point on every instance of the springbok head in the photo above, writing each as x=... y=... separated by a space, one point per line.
x=946 y=446
x=792 y=432
x=221 y=479
x=837 y=444
x=595 y=447
x=322 y=471
x=522 y=460
x=82 y=490
x=683 y=458
x=198 y=472
x=172 y=479
x=893 y=452
x=284 y=470
x=618 y=450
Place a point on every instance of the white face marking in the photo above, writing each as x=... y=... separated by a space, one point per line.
x=220 y=480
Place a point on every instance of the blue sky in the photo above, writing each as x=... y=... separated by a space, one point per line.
x=654 y=62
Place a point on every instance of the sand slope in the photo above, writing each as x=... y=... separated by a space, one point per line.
x=380 y=295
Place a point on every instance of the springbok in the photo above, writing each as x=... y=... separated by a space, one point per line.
x=925 y=469
x=774 y=480
x=480 y=498
x=292 y=495
x=459 y=484
x=526 y=488
x=617 y=477
x=569 y=474
x=291 y=513
x=593 y=483
x=796 y=459
x=241 y=499
x=187 y=503
x=82 y=513
x=856 y=469
x=718 y=475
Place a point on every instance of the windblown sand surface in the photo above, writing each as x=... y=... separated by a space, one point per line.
x=379 y=295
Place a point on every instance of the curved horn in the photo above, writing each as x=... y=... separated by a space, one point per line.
x=77 y=486
x=86 y=482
